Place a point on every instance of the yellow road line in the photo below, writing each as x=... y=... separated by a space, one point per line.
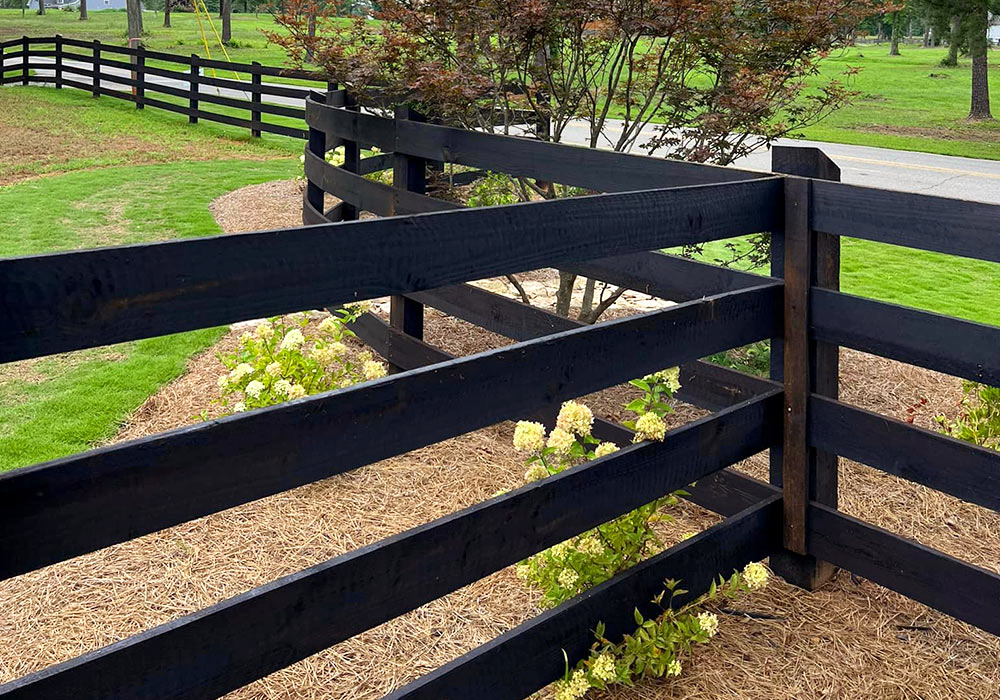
x=916 y=166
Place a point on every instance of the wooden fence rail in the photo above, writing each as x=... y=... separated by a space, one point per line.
x=187 y=79
x=76 y=300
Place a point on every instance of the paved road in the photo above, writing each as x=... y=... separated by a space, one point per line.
x=948 y=176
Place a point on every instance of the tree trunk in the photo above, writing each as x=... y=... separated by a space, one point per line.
x=565 y=293
x=896 y=30
x=227 y=21
x=166 y=13
x=311 y=29
x=927 y=37
x=978 y=49
x=133 y=8
x=41 y=10
x=83 y=9
x=952 y=58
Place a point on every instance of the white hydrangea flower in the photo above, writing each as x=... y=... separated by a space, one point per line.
x=241 y=370
x=575 y=418
x=561 y=441
x=649 y=427
x=535 y=472
x=239 y=407
x=283 y=387
x=246 y=338
x=297 y=391
x=559 y=551
x=522 y=571
x=568 y=578
x=223 y=381
x=709 y=623
x=574 y=688
x=529 y=436
x=254 y=389
x=273 y=369
x=755 y=575
x=293 y=340
x=604 y=668
x=591 y=546
x=674 y=668
x=328 y=325
x=372 y=369
x=605 y=448
x=264 y=330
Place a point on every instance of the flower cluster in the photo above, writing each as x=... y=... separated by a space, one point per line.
x=281 y=359
x=337 y=157
x=569 y=567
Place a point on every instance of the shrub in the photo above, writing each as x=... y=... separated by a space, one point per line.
x=596 y=555
x=979 y=420
x=655 y=649
x=282 y=359
x=337 y=157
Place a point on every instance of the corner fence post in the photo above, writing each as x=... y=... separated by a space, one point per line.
x=255 y=115
x=97 y=69
x=193 y=99
x=59 y=61
x=408 y=173
x=805 y=258
x=24 y=60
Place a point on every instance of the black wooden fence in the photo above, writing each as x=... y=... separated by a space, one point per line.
x=193 y=80
x=69 y=301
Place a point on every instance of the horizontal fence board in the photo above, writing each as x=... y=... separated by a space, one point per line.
x=368 y=195
x=84 y=502
x=943 y=343
x=943 y=463
x=703 y=384
x=265 y=107
x=67 y=301
x=571 y=165
x=947 y=584
x=725 y=492
x=668 y=276
x=230 y=644
x=941 y=224
x=530 y=656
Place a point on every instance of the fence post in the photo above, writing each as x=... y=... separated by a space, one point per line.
x=408 y=173
x=805 y=258
x=193 y=100
x=97 y=68
x=255 y=115
x=24 y=60
x=140 y=76
x=59 y=61
x=316 y=146
x=352 y=160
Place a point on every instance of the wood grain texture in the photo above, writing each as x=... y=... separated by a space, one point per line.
x=943 y=343
x=945 y=583
x=940 y=462
x=74 y=505
x=230 y=644
x=941 y=224
x=535 y=648
x=67 y=301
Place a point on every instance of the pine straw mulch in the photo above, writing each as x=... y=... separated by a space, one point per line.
x=852 y=639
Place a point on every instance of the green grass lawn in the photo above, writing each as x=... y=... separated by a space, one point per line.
x=945 y=284
x=58 y=405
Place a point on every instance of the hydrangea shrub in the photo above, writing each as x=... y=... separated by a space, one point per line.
x=979 y=419
x=282 y=359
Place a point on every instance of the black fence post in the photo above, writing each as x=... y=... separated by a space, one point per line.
x=805 y=258
x=140 y=77
x=59 y=61
x=193 y=100
x=317 y=147
x=24 y=60
x=97 y=68
x=3 y=73
x=352 y=160
x=255 y=114
x=408 y=173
